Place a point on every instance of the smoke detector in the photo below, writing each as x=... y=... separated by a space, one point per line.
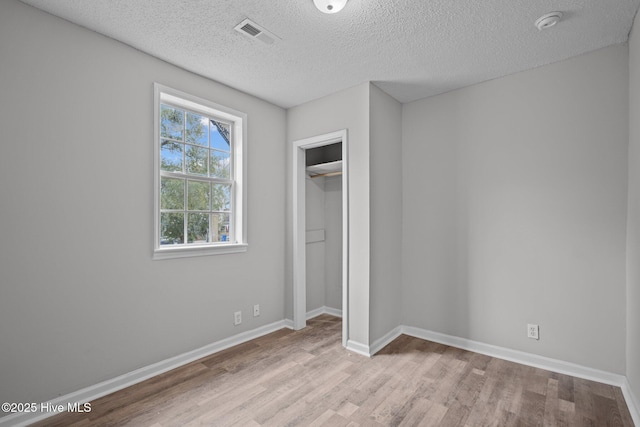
x=330 y=6
x=548 y=20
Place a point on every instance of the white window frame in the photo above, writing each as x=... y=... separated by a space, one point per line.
x=238 y=121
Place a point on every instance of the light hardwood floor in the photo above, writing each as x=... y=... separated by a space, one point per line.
x=306 y=378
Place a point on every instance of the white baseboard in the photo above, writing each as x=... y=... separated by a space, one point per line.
x=534 y=360
x=118 y=383
x=353 y=346
x=517 y=356
x=359 y=348
x=106 y=387
x=288 y=323
x=632 y=402
x=324 y=310
x=382 y=342
x=333 y=312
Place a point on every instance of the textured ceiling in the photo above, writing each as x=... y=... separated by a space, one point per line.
x=409 y=48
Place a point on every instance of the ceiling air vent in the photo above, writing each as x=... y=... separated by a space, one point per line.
x=255 y=31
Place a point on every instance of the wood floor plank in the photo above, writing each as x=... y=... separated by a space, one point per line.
x=336 y=420
x=399 y=401
x=533 y=408
x=566 y=388
x=322 y=419
x=305 y=409
x=607 y=412
x=622 y=406
x=306 y=378
x=552 y=403
x=226 y=404
x=483 y=411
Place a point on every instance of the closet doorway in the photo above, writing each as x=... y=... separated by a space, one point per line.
x=300 y=175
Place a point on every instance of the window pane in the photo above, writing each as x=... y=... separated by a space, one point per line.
x=197 y=160
x=199 y=195
x=172 y=193
x=220 y=164
x=171 y=228
x=199 y=154
x=198 y=228
x=221 y=197
x=219 y=140
x=219 y=227
x=197 y=129
x=171 y=156
x=171 y=123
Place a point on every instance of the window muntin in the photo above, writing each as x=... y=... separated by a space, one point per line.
x=199 y=164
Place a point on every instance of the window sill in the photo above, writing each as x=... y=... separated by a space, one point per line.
x=193 y=251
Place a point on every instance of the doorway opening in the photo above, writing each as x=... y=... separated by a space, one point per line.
x=300 y=176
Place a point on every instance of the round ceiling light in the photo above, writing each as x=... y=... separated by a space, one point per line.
x=548 y=20
x=330 y=6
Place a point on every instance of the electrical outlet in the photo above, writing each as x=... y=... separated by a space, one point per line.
x=256 y=310
x=237 y=318
x=533 y=331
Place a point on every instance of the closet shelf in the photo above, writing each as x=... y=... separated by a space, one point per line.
x=325 y=169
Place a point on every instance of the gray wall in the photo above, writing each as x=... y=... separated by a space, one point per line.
x=324 y=259
x=347 y=109
x=514 y=209
x=633 y=217
x=513 y=202
x=333 y=241
x=81 y=301
x=373 y=120
x=386 y=213
x=315 y=251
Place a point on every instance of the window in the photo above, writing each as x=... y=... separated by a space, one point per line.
x=200 y=199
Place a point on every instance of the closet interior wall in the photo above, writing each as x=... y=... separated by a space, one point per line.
x=324 y=253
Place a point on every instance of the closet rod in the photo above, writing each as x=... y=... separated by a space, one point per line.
x=327 y=174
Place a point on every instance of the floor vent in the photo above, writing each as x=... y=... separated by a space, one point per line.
x=255 y=31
